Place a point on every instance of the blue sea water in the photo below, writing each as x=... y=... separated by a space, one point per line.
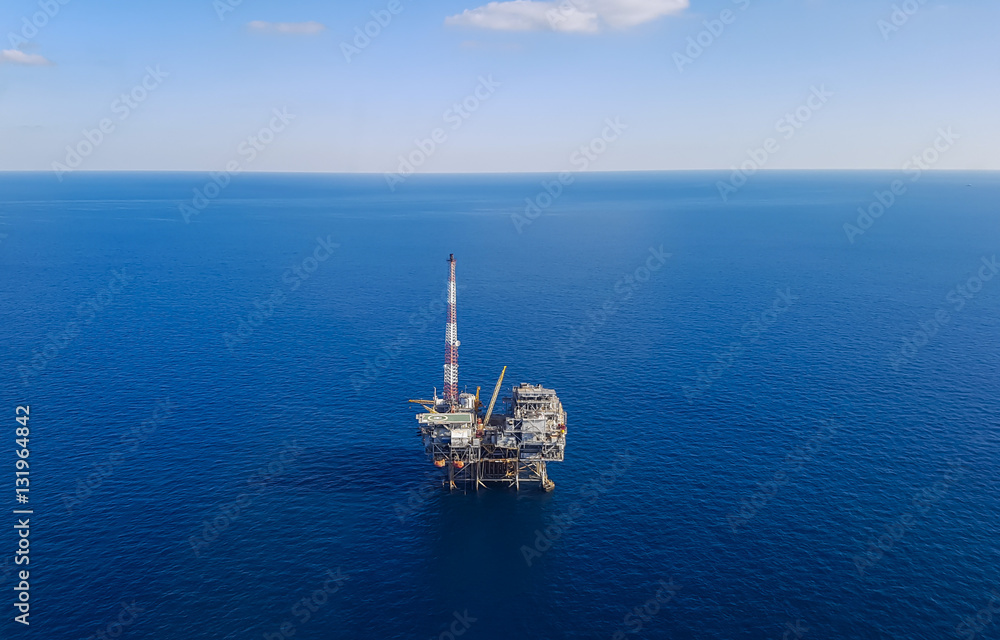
x=219 y=416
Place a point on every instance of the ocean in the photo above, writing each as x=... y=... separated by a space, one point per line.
x=782 y=405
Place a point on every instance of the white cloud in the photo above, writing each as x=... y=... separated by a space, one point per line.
x=16 y=56
x=526 y=15
x=580 y=16
x=290 y=28
x=622 y=14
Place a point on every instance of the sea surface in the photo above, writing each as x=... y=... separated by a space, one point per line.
x=778 y=427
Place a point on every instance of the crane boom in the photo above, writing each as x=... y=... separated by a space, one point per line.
x=426 y=404
x=493 y=400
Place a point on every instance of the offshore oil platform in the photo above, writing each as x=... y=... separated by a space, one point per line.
x=481 y=448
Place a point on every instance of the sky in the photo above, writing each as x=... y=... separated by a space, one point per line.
x=686 y=84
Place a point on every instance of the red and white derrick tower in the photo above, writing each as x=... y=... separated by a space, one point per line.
x=451 y=343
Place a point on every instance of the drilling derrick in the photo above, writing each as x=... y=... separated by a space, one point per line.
x=480 y=448
x=451 y=342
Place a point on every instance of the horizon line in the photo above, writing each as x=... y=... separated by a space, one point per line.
x=496 y=173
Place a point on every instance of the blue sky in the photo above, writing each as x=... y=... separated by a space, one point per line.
x=892 y=89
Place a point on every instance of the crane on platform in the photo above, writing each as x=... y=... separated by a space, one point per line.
x=496 y=390
x=428 y=405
